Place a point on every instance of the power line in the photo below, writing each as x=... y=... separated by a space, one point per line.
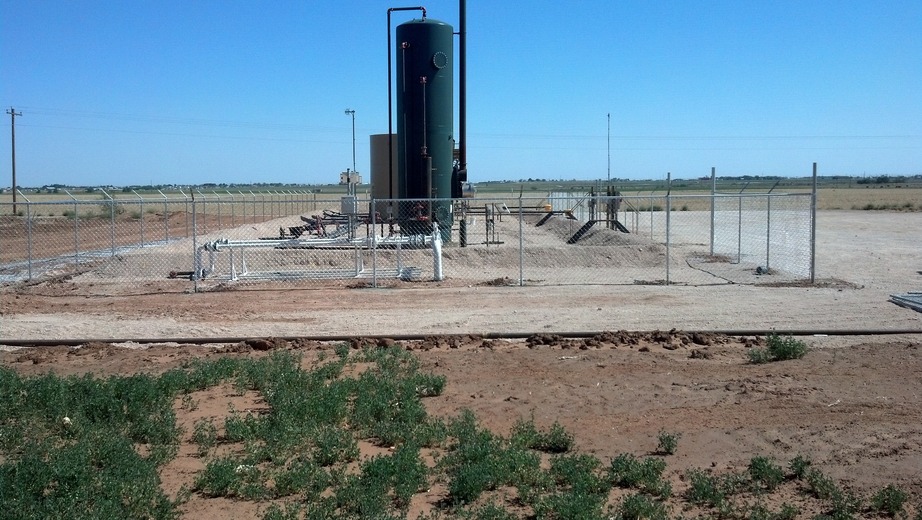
x=114 y=116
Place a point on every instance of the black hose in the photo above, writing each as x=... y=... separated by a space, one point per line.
x=418 y=337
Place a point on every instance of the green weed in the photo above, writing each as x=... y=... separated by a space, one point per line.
x=765 y=473
x=668 y=442
x=889 y=500
x=799 y=466
x=820 y=485
x=205 y=435
x=627 y=471
x=579 y=473
x=705 y=489
x=638 y=506
x=761 y=512
x=301 y=476
x=333 y=445
x=778 y=349
x=556 y=440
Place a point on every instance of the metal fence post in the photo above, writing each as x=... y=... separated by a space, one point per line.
x=111 y=221
x=739 y=228
x=166 y=218
x=521 y=244
x=713 y=205
x=196 y=260
x=29 y=234
x=233 y=211
x=668 y=224
x=185 y=199
x=141 y=213
x=813 y=229
x=374 y=244
x=204 y=201
x=650 y=209
x=76 y=230
x=217 y=199
x=768 y=231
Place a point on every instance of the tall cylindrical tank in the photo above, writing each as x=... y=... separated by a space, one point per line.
x=424 y=90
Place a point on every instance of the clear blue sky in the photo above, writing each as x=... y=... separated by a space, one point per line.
x=138 y=92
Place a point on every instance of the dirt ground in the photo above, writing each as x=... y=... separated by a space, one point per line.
x=853 y=410
x=862 y=258
x=851 y=405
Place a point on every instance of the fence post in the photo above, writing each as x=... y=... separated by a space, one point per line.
x=166 y=218
x=668 y=223
x=768 y=231
x=196 y=259
x=111 y=221
x=76 y=231
x=651 y=214
x=374 y=244
x=217 y=199
x=185 y=209
x=141 y=212
x=521 y=244
x=233 y=211
x=195 y=203
x=813 y=229
x=739 y=228
x=28 y=233
x=713 y=205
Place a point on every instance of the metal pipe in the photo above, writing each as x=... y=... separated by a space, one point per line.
x=462 y=90
x=412 y=240
x=390 y=115
x=74 y=342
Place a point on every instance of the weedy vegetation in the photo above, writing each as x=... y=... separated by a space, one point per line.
x=82 y=447
x=778 y=348
x=668 y=442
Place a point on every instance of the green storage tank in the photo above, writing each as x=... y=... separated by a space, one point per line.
x=425 y=124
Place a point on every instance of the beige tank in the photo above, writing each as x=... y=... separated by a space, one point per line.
x=381 y=186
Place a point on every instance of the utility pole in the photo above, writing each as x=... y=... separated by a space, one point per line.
x=13 y=115
x=609 y=148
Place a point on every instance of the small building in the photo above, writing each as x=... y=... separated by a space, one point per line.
x=350 y=177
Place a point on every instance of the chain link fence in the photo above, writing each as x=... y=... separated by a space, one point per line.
x=217 y=240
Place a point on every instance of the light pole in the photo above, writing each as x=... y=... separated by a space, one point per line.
x=350 y=112
x=13 y=115
x=609 y=148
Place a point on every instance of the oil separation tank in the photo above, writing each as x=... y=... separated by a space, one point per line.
x=424 y=90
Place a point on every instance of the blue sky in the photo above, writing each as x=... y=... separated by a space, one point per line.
x=187 y=92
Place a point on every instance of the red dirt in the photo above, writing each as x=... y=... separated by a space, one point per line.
x=852 y=410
